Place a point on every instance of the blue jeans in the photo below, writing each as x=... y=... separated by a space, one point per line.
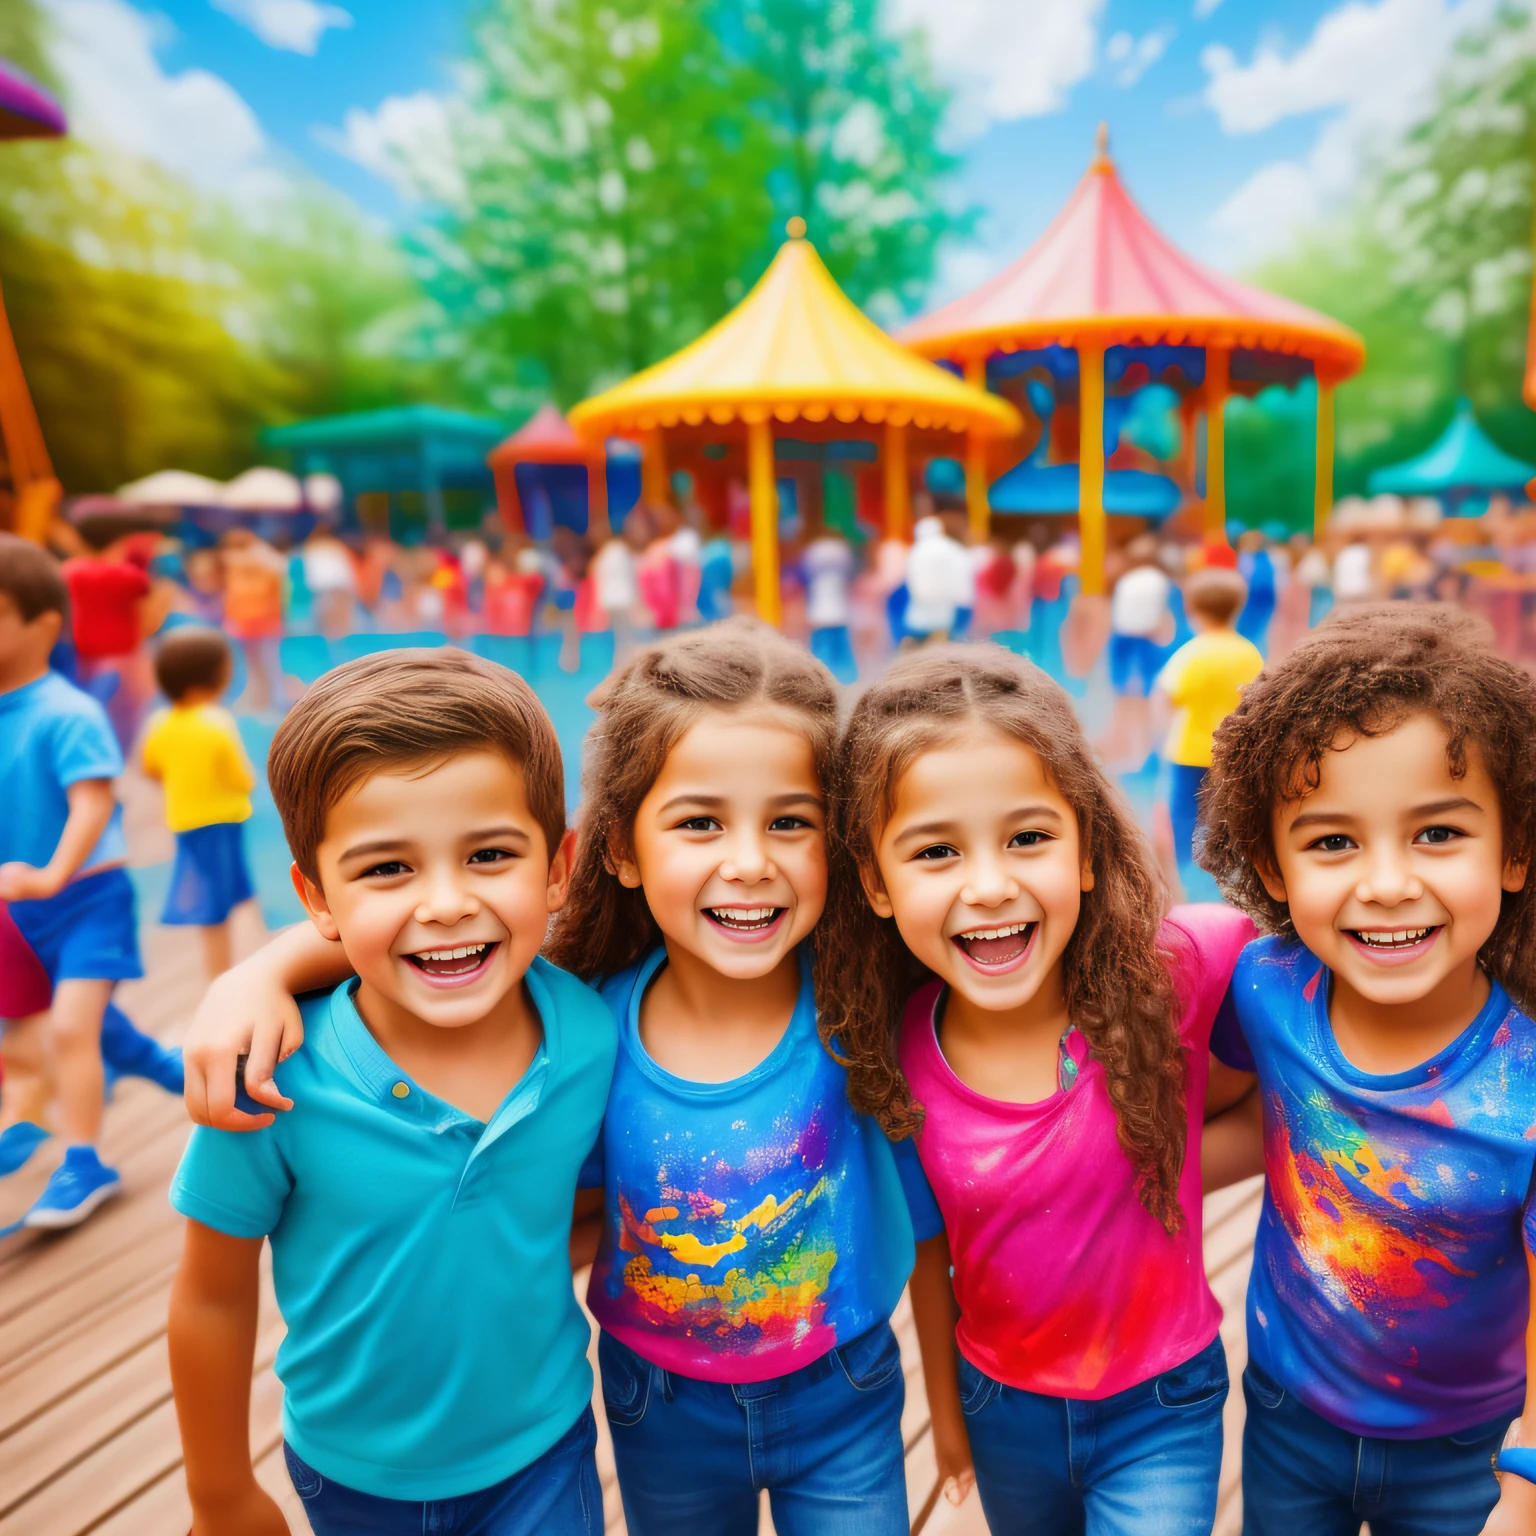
x=825 y=1441
x=557 y=1495
x=1143 y=1462
x=1301 y=1473
x=1184 y=808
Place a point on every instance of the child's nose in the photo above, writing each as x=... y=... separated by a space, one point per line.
x=446 y=899
x=1389 y=879
x=747 y=858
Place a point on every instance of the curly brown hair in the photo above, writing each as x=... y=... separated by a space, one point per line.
x=642 y=712
x=1363 y=674
x=1119 y=990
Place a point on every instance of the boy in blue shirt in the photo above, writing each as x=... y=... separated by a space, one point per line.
x=1373 y=806
x=418 y=1195
x=61 y=871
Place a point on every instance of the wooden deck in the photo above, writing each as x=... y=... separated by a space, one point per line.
x=88 y=1438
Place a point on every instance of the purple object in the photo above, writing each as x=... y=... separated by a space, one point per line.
x=27 y=111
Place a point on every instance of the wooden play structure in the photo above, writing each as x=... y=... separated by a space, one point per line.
x=1103 y=300
x=793 y=370
x=29 y=493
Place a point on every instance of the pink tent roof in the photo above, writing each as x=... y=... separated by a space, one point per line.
x=1103 y=272
x=545 y=438
x=27 y=111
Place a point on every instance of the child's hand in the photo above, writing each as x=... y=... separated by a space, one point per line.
x=952 y=1450
x=254 y=1513
x=25 y=882
x=1515 y=1513
x=245 y=1012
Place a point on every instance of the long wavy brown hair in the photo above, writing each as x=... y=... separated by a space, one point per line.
x=1118 y=986
x=642 y=712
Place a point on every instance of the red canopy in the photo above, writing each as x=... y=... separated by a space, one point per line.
x=1102 y=272
x=548 y=438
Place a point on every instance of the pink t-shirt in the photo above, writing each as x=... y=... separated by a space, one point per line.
x=1066 y=1285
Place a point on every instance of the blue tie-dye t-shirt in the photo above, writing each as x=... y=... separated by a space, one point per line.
x=1389 y=1291
x=751 y=1225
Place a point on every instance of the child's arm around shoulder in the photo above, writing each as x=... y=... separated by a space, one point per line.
x=1515 y=1513
x=212 y=1338
x=935 y=1314
x=250 y=1011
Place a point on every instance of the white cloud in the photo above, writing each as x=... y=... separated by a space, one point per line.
x=193 y=123
x=1204 y=8
x=405 y=140
x=1371 y=66
x=1007 y=58
x=1137 y=56
x=296 y=26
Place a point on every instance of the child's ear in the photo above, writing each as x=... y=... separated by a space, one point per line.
x=1086 y=877
x=1515 y=871
x=619 y=862
x=561 y=868
x=875 y=892
x=1270 y=878
x=315 y=904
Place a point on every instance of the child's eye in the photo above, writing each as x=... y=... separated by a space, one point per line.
x=935 y=851
x=699 y=824
x=788 y=824
x=1029 y=839
x=489 y=856
x=1333 y=842
x=1438 y=837
x=387 y=870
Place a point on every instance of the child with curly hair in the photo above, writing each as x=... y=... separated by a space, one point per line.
x=1372 y=805
x=1007 y=985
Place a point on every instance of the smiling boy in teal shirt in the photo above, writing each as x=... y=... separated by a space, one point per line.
x=418 y=1194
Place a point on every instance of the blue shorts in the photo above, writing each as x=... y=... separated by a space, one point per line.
x=1134 y=659
x=88 y=932
x=210 y=878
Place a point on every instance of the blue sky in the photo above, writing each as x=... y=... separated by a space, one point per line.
x=1235 y=122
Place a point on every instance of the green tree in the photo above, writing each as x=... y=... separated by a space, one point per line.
x=856 y=119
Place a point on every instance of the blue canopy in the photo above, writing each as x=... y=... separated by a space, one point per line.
x=1463 y=462
x=1042 y=488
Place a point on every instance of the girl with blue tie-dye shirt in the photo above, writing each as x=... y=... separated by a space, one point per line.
x=754 y=1235
x=1373 y=807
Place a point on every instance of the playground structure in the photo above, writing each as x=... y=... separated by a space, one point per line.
x=33 y=494
x=797 y=353
x=1104 y=302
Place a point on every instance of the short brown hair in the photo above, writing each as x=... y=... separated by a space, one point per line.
x=642 y=713
x=192 y=656
x=1120 y=992
x=31 y=578
x=1216 y=594
x=402 y=707
x=1362 y=674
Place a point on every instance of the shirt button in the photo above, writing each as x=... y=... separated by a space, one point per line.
x=401 y=1090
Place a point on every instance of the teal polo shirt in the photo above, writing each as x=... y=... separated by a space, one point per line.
x=420 y=1256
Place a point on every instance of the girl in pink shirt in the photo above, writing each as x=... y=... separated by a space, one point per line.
x=1053 y=1061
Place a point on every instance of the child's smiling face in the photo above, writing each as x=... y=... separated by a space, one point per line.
x=439 y=886
x=1392 y=869
x=985 y=883
x=729 y=844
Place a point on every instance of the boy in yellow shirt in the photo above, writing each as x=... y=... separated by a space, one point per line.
x=1202 y=681
x=194 y=749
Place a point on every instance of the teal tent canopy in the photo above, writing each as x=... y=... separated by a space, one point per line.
x=1046 y=488
x=1464 y=463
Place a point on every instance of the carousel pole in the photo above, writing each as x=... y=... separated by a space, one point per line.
x=597 y=496
x=764 y=494
x=1090 y=466
x=1218 y=363
x=1322 y=490
x=978 y=514
x=898 y=490
x=655 y=483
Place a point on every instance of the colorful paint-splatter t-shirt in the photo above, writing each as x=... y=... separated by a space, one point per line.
x=1389 y=1289
x=750 y=1225
x=1066 y=1284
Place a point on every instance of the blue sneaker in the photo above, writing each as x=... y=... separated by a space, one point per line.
x=129 y=1052
x=17 y=1143
x=79 y=1184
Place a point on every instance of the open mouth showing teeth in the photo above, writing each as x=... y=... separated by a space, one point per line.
x=459 y=961
x=996 y=946
x=744 y=919
x=1395 y=938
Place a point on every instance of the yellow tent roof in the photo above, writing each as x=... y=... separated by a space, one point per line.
x=796 y=348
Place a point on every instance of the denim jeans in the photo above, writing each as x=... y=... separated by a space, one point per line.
x=1143 y=1462
x=557 y=1495
x=1301 y=1473
x=825 y=1441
